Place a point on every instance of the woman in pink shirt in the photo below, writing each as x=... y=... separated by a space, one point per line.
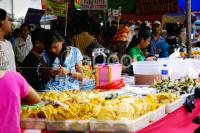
x=13 y=89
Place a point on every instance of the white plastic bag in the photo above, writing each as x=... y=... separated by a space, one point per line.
x=176 y=54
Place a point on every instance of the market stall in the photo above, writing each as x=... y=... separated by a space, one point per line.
x=154 y=108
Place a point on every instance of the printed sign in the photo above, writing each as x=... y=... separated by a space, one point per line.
x=56 y=7
x=146 y=7
x=94 y=4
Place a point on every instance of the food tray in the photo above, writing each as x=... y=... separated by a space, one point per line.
x=175 y=105
x=32 y=123
x=157 y=114
x=68 y=125
x=119 y=125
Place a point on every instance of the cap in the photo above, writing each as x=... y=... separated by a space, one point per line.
x=157 y=22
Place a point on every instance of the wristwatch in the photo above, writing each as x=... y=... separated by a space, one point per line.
x=70 y=73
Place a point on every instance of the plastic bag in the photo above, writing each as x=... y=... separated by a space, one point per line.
x=118 y=84
x=176 y=54
x=189 y=103
x=196 y=120
x=197 y=92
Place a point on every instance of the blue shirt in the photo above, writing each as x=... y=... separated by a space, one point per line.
x=153 y=44
x=65 y=82
x=164 y=49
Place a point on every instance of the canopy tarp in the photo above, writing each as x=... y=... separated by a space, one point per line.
x=173 y=18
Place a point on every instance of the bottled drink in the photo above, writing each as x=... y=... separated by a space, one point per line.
x=164 y=72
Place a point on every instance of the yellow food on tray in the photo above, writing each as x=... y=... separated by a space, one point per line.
x=78 y=105
x=88 y=72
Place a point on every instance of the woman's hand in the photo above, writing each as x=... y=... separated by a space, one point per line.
x=53 y=72
x=63 y=71
x=152 y=58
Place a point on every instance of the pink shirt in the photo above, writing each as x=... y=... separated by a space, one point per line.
x=13 y=87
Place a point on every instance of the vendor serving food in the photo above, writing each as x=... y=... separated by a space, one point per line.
x=137 y=52
x=61 y=65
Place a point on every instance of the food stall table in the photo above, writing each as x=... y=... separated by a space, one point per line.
x=178 y=121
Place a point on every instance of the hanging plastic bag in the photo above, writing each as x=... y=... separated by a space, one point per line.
x=189 y=103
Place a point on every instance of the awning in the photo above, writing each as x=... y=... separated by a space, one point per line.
x=33 y=16
x=173 y=18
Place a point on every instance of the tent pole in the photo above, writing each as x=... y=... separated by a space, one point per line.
x=189 y=28
x=12 y=9
x=66 y=15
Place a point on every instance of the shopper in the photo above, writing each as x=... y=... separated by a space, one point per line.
x=156 y=37
x=5 y=46
x=143 y=40
x=13 y=88
x=32 y=60
x=82 y=38
x=22 y=45
x=61 y=64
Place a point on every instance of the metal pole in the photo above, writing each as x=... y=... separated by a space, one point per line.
x=12 y=9
x=189 y=28
x=66 y=19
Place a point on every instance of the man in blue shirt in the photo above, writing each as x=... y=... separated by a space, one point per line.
x=156 y=38
x=162 y=49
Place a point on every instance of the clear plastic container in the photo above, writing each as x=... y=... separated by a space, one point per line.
x=157 y=114
x=120 y=125
x=193 y=67
x=176 y=67
x=68 y=125
x=174 y=106
x=31 y=123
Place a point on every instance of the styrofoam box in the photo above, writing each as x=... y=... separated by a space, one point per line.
x=175 y=105
x=157 y=114
x=120 y=125
x=32 y=123
x=68 y=125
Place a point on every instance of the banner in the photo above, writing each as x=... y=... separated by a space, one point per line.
x=94 y=4
x=149 y=7
x=56 y=7
x=173 y=18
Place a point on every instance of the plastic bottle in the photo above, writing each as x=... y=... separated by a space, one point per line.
x=164 y=72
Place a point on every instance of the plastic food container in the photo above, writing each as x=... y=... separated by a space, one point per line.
x=148 y=71
x=157 y=114
x=68 y=125
x=175 y=105
x=193 y=67
x=107 y=73
x=33 y=123
x=120 y=125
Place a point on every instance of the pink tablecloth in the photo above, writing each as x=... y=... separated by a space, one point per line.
x=179 y=121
